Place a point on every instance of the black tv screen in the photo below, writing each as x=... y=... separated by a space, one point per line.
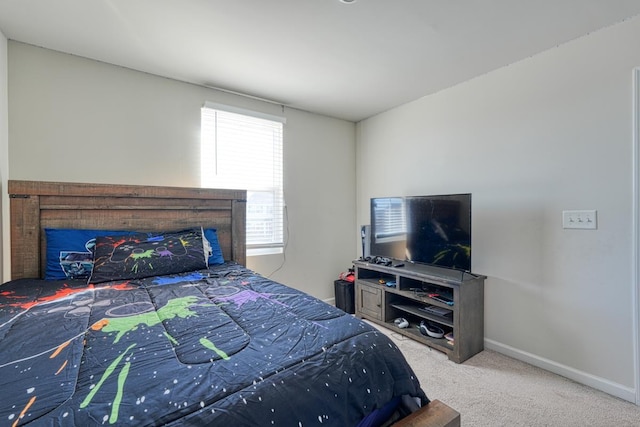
x=432 y=230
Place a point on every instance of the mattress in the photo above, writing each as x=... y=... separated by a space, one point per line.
x=221 y=346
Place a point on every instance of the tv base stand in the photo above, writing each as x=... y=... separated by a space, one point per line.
x=450 y=299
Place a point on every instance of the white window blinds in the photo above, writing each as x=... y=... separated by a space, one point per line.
x=390 y=219
x=242 y=149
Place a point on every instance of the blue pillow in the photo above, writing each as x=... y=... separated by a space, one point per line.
x=70 y=252
x=215 y=257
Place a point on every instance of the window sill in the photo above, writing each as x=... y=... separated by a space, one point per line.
x=263 y=251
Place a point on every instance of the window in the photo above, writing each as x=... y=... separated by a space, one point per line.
x=389 y=218
x=242 y=149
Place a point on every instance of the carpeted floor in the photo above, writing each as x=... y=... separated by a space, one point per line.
x=494 y=390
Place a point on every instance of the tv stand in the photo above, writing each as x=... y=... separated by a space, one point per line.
x=384 y=293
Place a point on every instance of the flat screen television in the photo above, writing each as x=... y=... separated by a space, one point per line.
x=434 y=230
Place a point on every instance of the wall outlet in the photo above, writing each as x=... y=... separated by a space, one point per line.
x=580 y=219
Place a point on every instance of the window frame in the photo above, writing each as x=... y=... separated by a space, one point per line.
x=276 y=245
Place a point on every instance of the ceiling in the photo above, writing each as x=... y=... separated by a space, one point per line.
x=349 y=61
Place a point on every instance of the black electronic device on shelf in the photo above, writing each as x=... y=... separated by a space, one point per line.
x=434 y=230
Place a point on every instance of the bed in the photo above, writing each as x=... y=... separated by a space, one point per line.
x=149 y=335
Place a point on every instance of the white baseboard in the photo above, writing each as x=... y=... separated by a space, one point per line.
x=609 y=387
x=330 y=301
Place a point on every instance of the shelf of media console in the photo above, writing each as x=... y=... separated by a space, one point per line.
x=416 y=311
x=416 y=293
x=412 y=331
x=422 y=272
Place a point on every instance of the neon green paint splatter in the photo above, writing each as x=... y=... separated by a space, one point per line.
x=208 y=344
x=170 y=338
x=145 y=254
x=122 y=377
x=106 y=375
x=178 y=307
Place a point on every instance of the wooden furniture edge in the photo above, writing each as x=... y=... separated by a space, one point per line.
x=47 y=188
x=435 y=414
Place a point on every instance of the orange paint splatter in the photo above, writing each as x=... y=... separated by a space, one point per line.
x=11 y=294
x=120 y=287
x=61 y=367
x=24 y=411
x=64 y=292
x=116 y=243
x=99 y=324
x=59 y=349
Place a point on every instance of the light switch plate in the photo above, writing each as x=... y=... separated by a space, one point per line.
x=587 y=219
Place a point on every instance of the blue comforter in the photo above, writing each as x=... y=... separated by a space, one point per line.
x=222 y=346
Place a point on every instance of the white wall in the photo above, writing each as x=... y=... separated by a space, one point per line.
x=4 y=161
x=319 y=156
x=74 y=119
x=547 y=134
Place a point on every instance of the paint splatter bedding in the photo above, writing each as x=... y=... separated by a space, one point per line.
x=221 y=346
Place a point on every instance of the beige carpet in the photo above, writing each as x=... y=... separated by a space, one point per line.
x=491 y=389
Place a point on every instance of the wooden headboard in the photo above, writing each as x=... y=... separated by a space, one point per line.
x=37 y=205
